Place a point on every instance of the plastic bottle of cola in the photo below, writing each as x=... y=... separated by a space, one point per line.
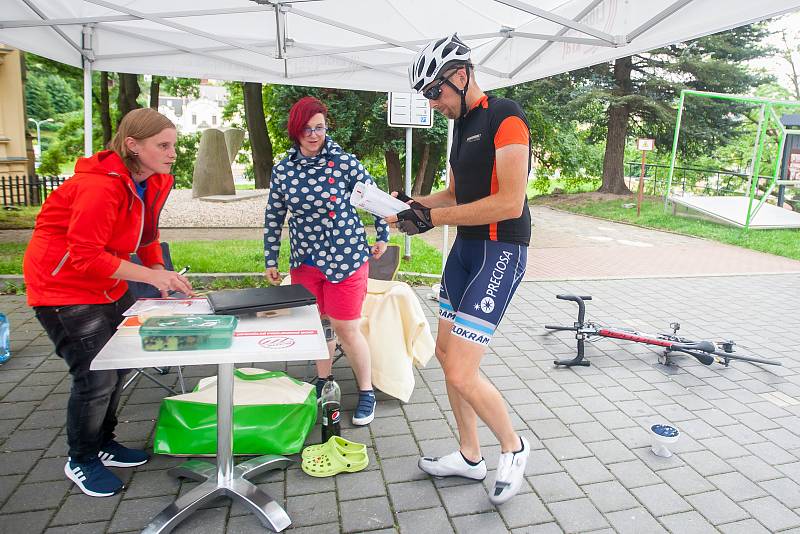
x=331 y=403
x=5 y=339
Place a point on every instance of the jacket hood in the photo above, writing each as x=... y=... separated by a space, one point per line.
x=329 y=149
x=103 y=162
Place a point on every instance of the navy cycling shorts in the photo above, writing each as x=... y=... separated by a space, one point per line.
x=479 y=279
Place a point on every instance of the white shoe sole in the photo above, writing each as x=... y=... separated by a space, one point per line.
x=463 y=474
x=364 y=420
x=90 y=493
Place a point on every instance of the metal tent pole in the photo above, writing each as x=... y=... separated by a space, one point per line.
x=88 y=57
x=674 y=148
x=446 y=228
x=407 y=243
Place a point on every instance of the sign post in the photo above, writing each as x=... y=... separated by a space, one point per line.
x=645 y=145
x=408 y=110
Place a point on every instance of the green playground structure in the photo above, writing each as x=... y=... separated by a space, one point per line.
x=768 y=118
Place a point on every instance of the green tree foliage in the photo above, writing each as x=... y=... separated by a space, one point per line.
x=37 y=99
x=183 y=168
x=62 y=94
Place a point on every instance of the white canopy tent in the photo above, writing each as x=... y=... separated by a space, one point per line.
x=356 y=44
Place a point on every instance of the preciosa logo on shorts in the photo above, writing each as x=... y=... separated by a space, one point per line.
x=486 y=305
x=498 y=273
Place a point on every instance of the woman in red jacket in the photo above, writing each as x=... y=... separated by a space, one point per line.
x=75 y=270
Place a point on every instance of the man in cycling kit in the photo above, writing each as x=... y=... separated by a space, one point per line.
x=490 y=161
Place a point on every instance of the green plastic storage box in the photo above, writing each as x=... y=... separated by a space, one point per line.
x=188 y=332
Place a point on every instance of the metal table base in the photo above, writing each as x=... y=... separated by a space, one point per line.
x=224 y=479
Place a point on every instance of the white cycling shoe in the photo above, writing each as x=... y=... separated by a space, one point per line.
x=452 y=465
x=509 y=474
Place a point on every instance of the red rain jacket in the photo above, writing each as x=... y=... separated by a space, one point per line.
x=86 y=227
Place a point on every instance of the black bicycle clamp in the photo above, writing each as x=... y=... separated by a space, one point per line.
x=579 y=335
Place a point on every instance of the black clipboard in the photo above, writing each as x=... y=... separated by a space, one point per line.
x=257 y=299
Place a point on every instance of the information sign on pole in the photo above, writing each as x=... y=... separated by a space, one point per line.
x=645 y=145
x=409 y=110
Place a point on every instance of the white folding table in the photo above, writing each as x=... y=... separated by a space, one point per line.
x=295 y=335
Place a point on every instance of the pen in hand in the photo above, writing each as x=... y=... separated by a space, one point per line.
x=181 y=272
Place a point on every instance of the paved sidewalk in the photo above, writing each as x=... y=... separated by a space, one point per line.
x=736 y=467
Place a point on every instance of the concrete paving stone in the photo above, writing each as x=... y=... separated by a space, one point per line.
x=616 y=393
x=756 y=469
x=490 y=523
x=359 y=485
x=413 y=495
x=47 y=469
x=45 y=419
x=390 y=426
x=402 y=469
x=614 y=419
x=504 y=383
x=566 y=448
x=706 y=463
x=394 y=446
x=547 y=528
x=736 y=486
x=365 y=514
x=549 y=428
x=524 y=509
x=556 y=399
x=135 y=514
x=587 y=471
x=748 y=526
x=83 y=528
x=543 y=385
x=139 y=412
x=633 y=474
x=54 y=401
x=635 y=384
x=717 y=507
x=675 y=413
x=724 y=447
x=792 y=470
x=25 y=440
x=152 y=484
x=698 y=429
x=18 y=462
x=533 y=411
x=767 y=409
x=468 y=498
x=519 y=396
x=430 y=520
x=632 y=437
x=782 y=438
x=715 y=417
x=590 y=432
x=775 y=454
x=541 y=462
x=423 y=411
x=688 y=523
x=596 y=404
x=16 y=410
x=314 y=509
x=7 y=427
x=693 y=403
x=8 y=484
x=28 y=522
x=657 y=463
x=660 y=499
x=578 y=515
x=784 y=489
x=438 y=447
x=36 y=496
x=731 y=406
x=205 y=521
x=771 y=513
x=610 y=451
x=14 y=376
x=432 y=429
x=573 y=414
x=80 y=508
x=635 y=408
x=555 y=487
x=610 y=496
x=580 y=389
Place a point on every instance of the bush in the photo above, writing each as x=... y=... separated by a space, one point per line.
x=183 y=168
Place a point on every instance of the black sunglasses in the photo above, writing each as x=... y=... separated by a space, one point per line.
x=435 y=91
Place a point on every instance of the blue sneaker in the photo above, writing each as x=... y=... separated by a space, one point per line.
x=365 y=411
x=115 y=455
x=93 y=478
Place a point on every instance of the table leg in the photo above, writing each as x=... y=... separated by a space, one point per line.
x=224 y=479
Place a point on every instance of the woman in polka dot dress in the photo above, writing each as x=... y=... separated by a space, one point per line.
x=329 y=249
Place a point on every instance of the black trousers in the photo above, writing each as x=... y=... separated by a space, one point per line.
x=78 y=333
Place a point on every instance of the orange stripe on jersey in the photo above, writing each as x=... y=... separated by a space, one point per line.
x=512 y=131
x=495 y=188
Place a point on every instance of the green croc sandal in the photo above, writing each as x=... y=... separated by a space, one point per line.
x=344 y=446
x=328 y=462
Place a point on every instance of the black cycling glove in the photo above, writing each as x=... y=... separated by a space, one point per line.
x=415 y=220
x=414 y=204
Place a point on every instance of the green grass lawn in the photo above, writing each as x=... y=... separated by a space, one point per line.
x=238 y=256
x=16 y=218
x=784 y=242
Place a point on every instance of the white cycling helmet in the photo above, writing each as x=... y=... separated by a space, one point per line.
x=434 y=58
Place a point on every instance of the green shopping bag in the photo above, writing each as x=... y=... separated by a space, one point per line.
x=272 y=414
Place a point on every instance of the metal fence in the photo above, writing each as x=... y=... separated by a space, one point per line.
x=706 y=182
x=22 y=190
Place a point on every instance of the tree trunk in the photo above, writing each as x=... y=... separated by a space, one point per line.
x=394 y=171
x=155 y=88
x=128 y=93
x=105 y=111
x=431 y=169
x=421 y=170
x=260 y=143
x=618 y=114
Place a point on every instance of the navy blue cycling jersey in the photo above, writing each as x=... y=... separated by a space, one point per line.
x=479 y=279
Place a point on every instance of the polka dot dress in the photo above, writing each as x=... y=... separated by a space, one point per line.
x=324 y=226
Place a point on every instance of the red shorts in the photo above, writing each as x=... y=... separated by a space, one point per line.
x=342 y=300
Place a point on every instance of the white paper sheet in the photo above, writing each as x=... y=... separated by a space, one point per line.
x=376 y=201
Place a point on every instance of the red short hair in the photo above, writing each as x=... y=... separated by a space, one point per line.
x=301 y=113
